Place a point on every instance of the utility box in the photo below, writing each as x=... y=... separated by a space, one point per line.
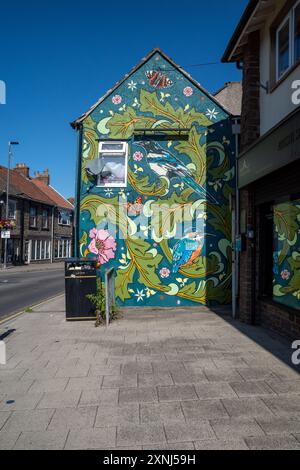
x=80 y=280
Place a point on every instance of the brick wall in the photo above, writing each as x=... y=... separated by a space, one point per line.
x=250 y=121
x=246 y=261
x=250 y=132
x=279 y=319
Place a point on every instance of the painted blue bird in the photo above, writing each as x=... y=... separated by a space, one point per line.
x=163 y=163
x=187 y=250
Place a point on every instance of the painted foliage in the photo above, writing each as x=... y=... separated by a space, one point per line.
x=181 y=254
x=287 y=254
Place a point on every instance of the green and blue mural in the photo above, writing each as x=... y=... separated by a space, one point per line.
x=154 y=203
x=286 y=263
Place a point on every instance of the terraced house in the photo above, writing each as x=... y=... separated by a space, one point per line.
x=42 y=218
x=266 y=46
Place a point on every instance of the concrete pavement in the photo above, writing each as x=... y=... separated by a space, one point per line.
x=166 y=379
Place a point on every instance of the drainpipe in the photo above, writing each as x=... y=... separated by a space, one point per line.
x=236 y=130
x=52 y=234
x=77 y=190
x=22 y=233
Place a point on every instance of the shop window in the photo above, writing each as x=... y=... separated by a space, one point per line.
x=286 y=253
x=40 y=250
x=63 y=248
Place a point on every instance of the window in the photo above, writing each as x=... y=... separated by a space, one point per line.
x=64 y=217
x=40 y=250
x=297 y=33
x=283 y=49
x=33 y=217
x=280 y=252
x=288 y=42
x=63 y=248
x=112 y=164
x=12 y=210
x=286 y=253
x=45 y=221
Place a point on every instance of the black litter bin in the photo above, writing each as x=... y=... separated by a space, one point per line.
x=80 y=280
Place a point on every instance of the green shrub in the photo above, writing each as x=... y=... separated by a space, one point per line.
x=98 y=300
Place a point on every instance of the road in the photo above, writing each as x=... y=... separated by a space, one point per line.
x=20 y=290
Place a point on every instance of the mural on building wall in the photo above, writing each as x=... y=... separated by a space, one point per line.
x=287 y=254
x=181 y=253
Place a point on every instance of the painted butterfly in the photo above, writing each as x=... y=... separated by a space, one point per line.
x=158 y=79
x=136 y=207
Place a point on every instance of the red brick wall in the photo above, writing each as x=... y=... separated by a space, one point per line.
x=250 y=121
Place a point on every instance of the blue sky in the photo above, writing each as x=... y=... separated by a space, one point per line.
x=58 y=57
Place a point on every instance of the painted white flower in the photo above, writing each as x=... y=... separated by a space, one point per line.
x=132 y=85
x=139 y=295
x=136 y=103
x=212 y=113
x=108 y=192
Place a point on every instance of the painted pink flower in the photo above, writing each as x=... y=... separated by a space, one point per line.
x=285 y=275
x=102 y=244
x=117 y=99
x=188 y=91
x=137 y=156
x=164 y=273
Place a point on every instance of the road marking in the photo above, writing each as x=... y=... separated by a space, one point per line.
x=15 y=315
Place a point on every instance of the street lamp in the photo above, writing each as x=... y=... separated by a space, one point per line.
x=10 y=143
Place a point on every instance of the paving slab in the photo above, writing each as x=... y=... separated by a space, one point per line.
x=161 y=412
x=60 y=399
x=84 y=383
x=169 y=379
x=189 y=432
x=73 y=418
x=4 y=415
x=177 y=393
x=8 y=439
x=138 y=395
x=33 y=420
x=41 y=440
x=152 y=380
x=117 y=415
x=97 y=397
x=140 y=434
x=217 y=390
x=251 y=389
x=48 y=385
x=234 y=428
x=203 y=409
x=273 y=443
x=219 y=444
x=280 y=425
x=246 y=407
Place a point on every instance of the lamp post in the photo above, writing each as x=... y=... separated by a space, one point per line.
x=10 y=143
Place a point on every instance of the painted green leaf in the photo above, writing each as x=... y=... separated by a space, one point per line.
x=285 y=219
x=124 y=278
x=122 y=126
x=196 y=152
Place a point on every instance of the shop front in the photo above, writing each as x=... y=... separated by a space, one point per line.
x=269 y=182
